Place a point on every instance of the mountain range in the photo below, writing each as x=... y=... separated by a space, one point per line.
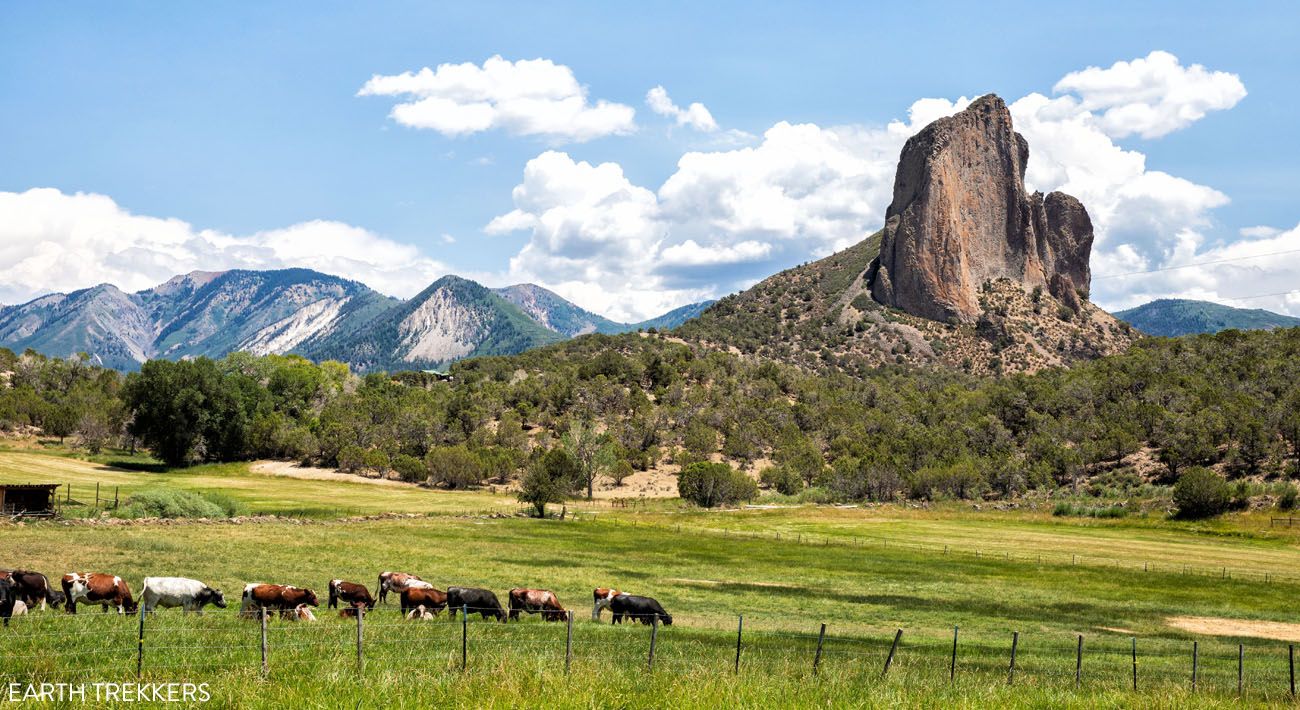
x=305 y=312
x=1172 y=317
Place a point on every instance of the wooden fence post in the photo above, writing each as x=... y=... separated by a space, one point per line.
x=1078 y=664
x=464 y=635
x=266 y=667
x=889 y=660
x=1135 y=663
x=817 y=659
x=1011 y=673
x=568 y=645
x=952 y=667
x=139 y=656
x=1241 y=667
x=361 y=615
x=1290 y=652
x=654 y=633
x=740 y=629
x=1196 y=652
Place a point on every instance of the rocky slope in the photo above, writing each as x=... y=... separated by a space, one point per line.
x=1172 y=317
x=552 y=311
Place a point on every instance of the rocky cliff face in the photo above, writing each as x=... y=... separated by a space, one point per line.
x=961 y=218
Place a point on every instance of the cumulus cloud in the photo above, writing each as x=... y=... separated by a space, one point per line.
x=53 y=241
x=1151 y=96
x=696 y=115
x=725 y=218
x=530 y=97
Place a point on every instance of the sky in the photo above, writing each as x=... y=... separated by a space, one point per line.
x=632 y=159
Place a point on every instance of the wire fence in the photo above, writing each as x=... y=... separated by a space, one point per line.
x=51 y=646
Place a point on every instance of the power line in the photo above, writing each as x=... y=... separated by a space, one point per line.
x=1191 y=266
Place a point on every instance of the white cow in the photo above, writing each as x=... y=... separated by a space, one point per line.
x=302 y=612
x=419 y=613
x=171 y=592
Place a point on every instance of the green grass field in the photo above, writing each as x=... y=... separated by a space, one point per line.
x=785 y=589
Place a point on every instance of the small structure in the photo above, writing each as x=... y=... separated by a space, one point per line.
x=27 y=499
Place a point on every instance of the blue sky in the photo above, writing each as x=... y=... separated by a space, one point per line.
x=212 y=136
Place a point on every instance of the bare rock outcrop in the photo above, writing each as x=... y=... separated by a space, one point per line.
x=960 y=217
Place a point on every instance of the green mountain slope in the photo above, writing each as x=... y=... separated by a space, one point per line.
x=1172 y=317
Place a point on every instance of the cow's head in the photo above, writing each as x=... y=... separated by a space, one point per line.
x=130 y=606
x=54 y=599
x=309 y=598
x=213 y=597
x=666 y=619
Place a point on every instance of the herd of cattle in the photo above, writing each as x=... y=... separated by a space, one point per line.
x=21 y=590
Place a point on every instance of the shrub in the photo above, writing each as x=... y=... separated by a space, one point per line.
x=454 y=466
x=1287 y=500
x=172 y=503
x=620 y=471
x=351 y=458
x=410 y=469
x=1201 y=493
x=713 y=484
x=549 y=480
x=378 y=460
x=782 y=479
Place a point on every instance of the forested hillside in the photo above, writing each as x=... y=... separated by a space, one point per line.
x=1228 y=400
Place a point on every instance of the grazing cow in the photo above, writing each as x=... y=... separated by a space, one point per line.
x=94 y=588
x=349 y=593
x=33 y=588
x=7 y=599
x=643 y=609
x=350 y=612
x=275 y=597
x=419 y=613
x=473 y=600
x=533 y=601
x=602 y=597
x=433 y=600
x=399 y=582
x=171 y=592
x=302 y=612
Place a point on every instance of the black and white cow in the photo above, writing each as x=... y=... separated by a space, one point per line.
x=643 y=609
x=171 y=592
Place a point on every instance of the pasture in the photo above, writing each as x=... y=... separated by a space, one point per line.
x=785 y=589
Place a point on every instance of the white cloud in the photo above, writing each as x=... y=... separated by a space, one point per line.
x=696 y=115
x=530 y=97
x=52 y=241
x=1151 y=96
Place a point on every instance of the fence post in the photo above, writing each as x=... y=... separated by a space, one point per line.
x=1078 y=664
x=266 y=667
x=952 y=667
x=654 y=633
x=817 y=658
x=1011 y=673
x=139 y=655
x=96 y=494
x=889 y=660
x=361 y=615
x=464 y=635
x=1290 y=653
x=740 y=629
x=568 y=645
x=1241 y=667
x=1196 y=652
x=1135 y=663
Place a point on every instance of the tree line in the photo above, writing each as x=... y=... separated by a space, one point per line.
x=613 y=405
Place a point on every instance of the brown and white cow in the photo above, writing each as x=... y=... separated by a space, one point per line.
x=350 y=593
x=94 y=588
x=534 y=601
x=399 y=582
x=419 y=613
x=433 y=600
x=275 y=597
x=602 y=597
x=302 y=612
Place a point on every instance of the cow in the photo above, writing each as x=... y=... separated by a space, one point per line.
x=419 y=613
x=349 y=593
x=399 y=582
x=8 y=599
x=95 y=588
x=602 y=597
x=171 y=592
x=643 y=609
x=274 y=597
x=302 y=612
x=351 y=611
x=33 y=588
x=534 y=601
x=432 y=600
x=472 y=599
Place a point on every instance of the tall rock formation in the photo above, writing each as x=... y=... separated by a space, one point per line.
x=960 y=217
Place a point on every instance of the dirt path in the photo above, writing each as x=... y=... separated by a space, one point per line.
x=292 y=470
x=1213 y=626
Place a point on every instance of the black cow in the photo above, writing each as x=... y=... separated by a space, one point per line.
x=7 y=599
x=473 y=600
x=33 y=588
x=643 y=609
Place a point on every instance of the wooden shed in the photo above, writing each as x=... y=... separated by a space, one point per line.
x=27 y=498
